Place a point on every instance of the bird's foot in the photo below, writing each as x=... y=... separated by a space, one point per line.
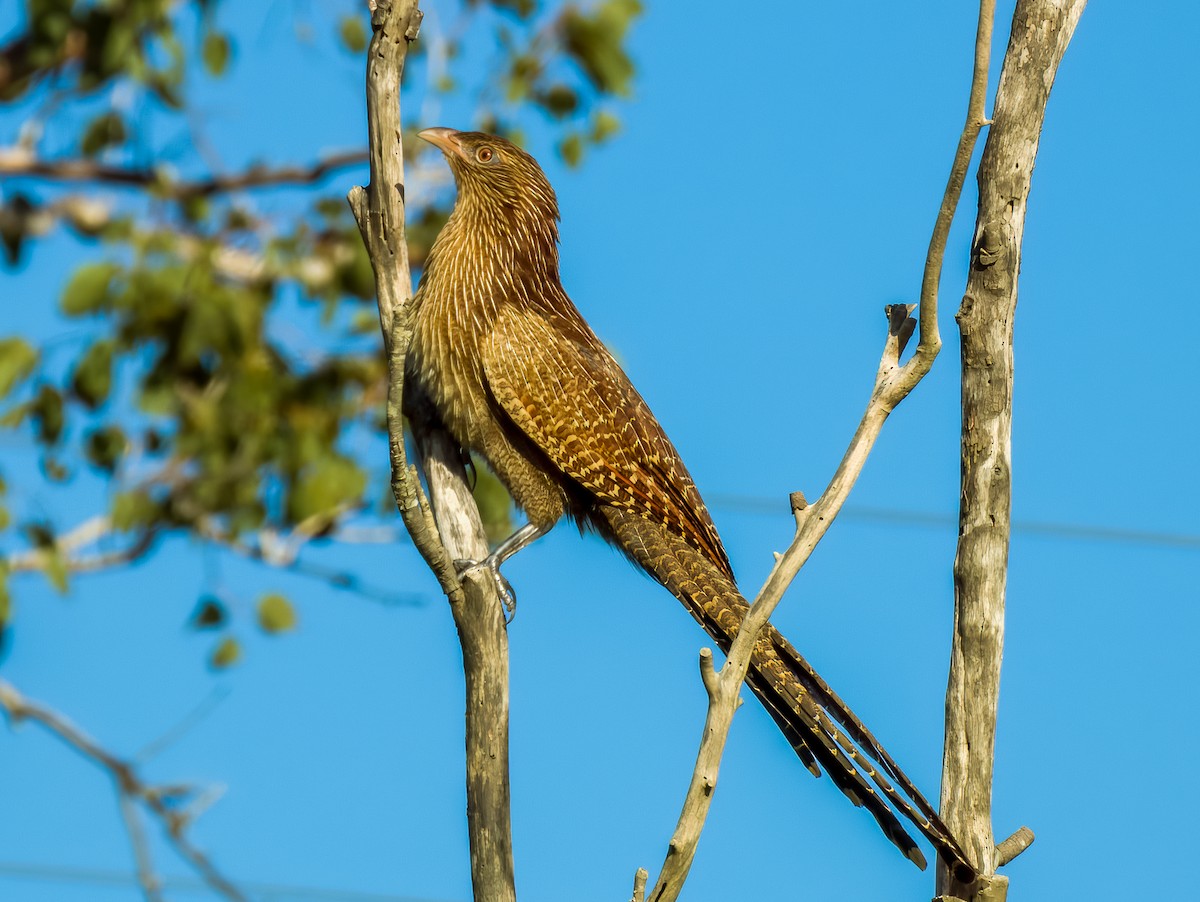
x=504 y=588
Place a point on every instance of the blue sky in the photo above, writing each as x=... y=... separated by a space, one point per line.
x=773 y=188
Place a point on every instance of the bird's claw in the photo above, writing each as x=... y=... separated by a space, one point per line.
x=504 y=588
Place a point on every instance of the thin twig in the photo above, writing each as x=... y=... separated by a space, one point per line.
x=147 y=878
x=930 y=341
x=185 y=725
x=87 y=533
x=273 y=548
x=16 y=162
x=131 y=791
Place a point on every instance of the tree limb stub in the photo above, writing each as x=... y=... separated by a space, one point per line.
x=1006 y=851
x=1040 y=32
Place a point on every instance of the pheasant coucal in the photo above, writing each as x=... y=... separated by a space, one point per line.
x=509 y=366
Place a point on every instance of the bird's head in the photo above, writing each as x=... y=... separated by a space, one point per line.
x=495 y=175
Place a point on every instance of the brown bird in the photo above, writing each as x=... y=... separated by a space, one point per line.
x=509 y=366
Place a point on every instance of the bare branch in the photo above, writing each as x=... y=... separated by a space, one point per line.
x=274 y=551
x=147 y=878
x=21 y=161
x=475 y=604
x=724 y=688
x=186 y=724
x=379 y=211
x=1041 y=30
x=132 y=791
x=272 y=548
x=893 y=383
x=85 y=534
x=479 y=617
x=930 y=342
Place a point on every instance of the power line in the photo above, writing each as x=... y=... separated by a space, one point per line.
x=757 y=505
x=265 y=892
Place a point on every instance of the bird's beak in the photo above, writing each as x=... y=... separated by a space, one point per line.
x=445 y=140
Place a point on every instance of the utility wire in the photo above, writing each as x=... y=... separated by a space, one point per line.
x=752 y=505
x=264 y=892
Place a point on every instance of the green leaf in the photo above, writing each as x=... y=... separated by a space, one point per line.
x=325 y=485
x=55 y=470
x=17 y=360
x=6 y=606
x=355 y=275
x=227 y=653
x=560 y=101
x=495 y=504
x=209 y=614
x=119 y=50
x=47 y=412
x=92 y=380
x=276 y=614
x=604 y=126
x=571 y=148
x=353 y=34
x=595 y=41
x=215 y=53
x=39 y=534
x=88 y=290
x=56 y=570
x=14 y=227
x=106 y=130
x=523 y=8
x=195 y=208
x=523 y=73
x=133 y=510
x=105 y=446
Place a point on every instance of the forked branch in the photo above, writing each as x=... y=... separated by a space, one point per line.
x=893 y=383
x=135 y=796
x=724 y=686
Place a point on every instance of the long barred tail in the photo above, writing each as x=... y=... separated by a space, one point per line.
x=820 y=727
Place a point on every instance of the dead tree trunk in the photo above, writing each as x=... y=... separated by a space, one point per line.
x=1041 y=30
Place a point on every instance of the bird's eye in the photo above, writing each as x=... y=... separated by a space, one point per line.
x=484 y=154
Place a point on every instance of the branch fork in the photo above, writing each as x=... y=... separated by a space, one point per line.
x=135 y=797
x=893 y=383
